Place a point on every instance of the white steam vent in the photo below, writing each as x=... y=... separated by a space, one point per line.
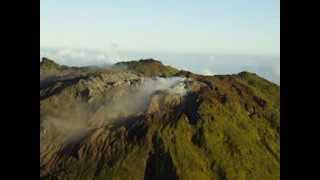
x=174 y=85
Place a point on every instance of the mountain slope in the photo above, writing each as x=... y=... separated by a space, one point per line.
x=148 y=67
x=125 y=123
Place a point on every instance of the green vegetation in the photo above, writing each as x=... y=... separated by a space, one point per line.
x=49 y=65
x=148 y=67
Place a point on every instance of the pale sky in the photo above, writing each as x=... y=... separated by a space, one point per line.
x=204 y=26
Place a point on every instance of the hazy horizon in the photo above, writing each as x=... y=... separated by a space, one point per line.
x=201 y=63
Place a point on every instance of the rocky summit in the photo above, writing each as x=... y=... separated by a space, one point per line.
x=143 y=120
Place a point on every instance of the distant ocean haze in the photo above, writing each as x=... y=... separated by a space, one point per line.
x=268 y=66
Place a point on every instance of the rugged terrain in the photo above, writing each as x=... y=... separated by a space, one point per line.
x=144 y=120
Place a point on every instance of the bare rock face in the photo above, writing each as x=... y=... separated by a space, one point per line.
x=162 y=101
x=155 y=103
x=127 y=121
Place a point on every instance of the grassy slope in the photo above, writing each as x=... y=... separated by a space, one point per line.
x=149 y=67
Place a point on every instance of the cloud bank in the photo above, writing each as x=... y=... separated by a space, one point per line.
x=83 y=57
